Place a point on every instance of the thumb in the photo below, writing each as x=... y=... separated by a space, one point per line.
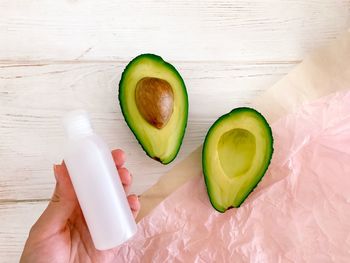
x=61 y=206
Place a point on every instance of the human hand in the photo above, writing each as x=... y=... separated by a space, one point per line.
x=61 y=233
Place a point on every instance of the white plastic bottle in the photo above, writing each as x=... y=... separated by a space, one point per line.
x=96 y=183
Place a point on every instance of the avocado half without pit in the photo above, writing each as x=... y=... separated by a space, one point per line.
x=236 y=154
x=154 y=103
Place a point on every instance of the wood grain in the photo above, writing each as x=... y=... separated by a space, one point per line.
x=15 y=222
x=34 y=98
x=269 y=30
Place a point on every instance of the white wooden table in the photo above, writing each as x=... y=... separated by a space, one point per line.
x=60 y=55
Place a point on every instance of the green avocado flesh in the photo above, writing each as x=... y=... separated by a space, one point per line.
x=236 y=154
x=160 y=142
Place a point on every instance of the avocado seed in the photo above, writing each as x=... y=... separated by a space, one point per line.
x=155 y=100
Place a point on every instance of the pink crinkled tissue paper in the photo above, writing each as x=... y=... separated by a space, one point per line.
x=299 y=212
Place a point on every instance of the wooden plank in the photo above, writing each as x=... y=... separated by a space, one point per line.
x=15 y=222
x=245 y=30
x=34 y=98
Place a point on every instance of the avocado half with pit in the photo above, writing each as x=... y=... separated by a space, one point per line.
x=154 y=102
x=236 y=154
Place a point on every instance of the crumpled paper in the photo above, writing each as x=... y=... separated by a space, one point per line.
x=299 y=212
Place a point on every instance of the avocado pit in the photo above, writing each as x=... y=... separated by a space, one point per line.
x=154 y=99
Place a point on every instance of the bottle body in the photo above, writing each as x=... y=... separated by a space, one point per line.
x=99 y=191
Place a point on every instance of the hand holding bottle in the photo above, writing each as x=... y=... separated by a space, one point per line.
x=61 y=233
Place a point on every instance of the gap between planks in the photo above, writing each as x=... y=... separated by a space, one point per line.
x=17 y=201
x=31 y=63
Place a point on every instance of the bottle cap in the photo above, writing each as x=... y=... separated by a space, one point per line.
x=77 y=123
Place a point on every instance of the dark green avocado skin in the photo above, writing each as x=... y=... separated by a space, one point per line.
x=184 y=90
x=217 y=122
